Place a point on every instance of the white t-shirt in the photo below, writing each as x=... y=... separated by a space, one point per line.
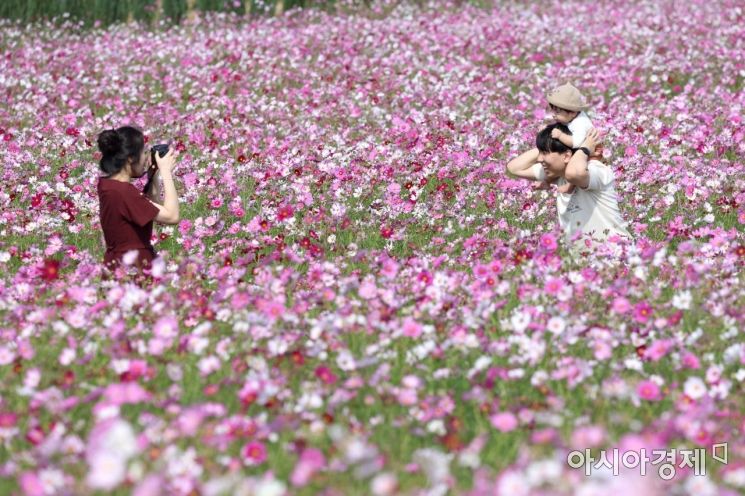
x=579 y=127
x=592 y=210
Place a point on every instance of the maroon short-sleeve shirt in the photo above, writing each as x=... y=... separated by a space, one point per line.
x=127 y=221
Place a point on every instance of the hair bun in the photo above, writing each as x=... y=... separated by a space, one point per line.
x=109 y=142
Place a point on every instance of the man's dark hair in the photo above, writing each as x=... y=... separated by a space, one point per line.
x=546 y=144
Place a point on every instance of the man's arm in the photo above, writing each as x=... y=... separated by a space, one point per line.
x=520 y=166
x=576 y=172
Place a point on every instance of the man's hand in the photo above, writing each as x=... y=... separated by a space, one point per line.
x=591 y=140
x=521 y=166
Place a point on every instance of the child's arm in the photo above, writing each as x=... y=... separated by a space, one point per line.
x=566 y=139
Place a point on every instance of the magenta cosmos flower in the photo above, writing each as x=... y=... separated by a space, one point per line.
x=648 y=390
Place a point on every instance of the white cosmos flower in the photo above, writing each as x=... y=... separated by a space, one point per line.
x=514 y=484
x=383 y=484
x=107 y=471
x=520 y=321
x=694 y=388
x=556 y=325
x=701 y=485
x=130 y=257
x=434 y=463
x=682 y=300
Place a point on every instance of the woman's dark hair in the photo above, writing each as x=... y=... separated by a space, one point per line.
x=119 y=146
x=546 y=144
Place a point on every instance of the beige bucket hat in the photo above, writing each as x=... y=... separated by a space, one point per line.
x=568 y=97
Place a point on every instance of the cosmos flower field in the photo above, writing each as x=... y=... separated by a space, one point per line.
x=358 y=298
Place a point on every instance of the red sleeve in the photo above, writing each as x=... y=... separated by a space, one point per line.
x=137 y=208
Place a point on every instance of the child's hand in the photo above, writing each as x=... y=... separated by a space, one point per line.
x=591 y=140
x=541 y=186
x=556 y=134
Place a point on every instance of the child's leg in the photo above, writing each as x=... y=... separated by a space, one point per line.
x=566 y=188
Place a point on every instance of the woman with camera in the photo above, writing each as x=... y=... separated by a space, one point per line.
x=127 y=214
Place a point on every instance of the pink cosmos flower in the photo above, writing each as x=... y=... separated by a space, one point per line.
x=642 y=312
x=125 y=393
x=157 y=346
x=548 y=242
x=406 y=396
x=311 y=461
x=368 y=290
x=390 y=268
x=166 y=327
x=621 y=305
x=602 y=350
x=240 y=300
x=137 y=369
x=31 y=485
x=411 y=328
x=285 y=212
x=648 y=390
x=184 y=227
x=658 y=349
x=590 y=436
x=425 y=277
x=254 y=453
x=481 y=271
x=8 y=419
x=504 y=421
x=152 y=485
x=553 y=285
x=325 y=374
x=190 y=421
x=271 y=308
x=690 y=361
x=496 y=266
x=543 y=436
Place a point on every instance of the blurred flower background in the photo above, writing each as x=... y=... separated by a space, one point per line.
x=358 y=299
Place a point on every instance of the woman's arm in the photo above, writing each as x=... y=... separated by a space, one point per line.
x=168 y=213
x=152 y=188
x=520 y=166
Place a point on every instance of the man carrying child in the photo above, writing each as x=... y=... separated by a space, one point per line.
x=589 y=215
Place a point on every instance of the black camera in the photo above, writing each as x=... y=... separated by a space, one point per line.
x=160 y=149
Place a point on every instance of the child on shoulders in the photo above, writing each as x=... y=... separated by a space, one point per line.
x=568 y=105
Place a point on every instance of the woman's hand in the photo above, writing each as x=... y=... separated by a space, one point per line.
x=166 y=163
